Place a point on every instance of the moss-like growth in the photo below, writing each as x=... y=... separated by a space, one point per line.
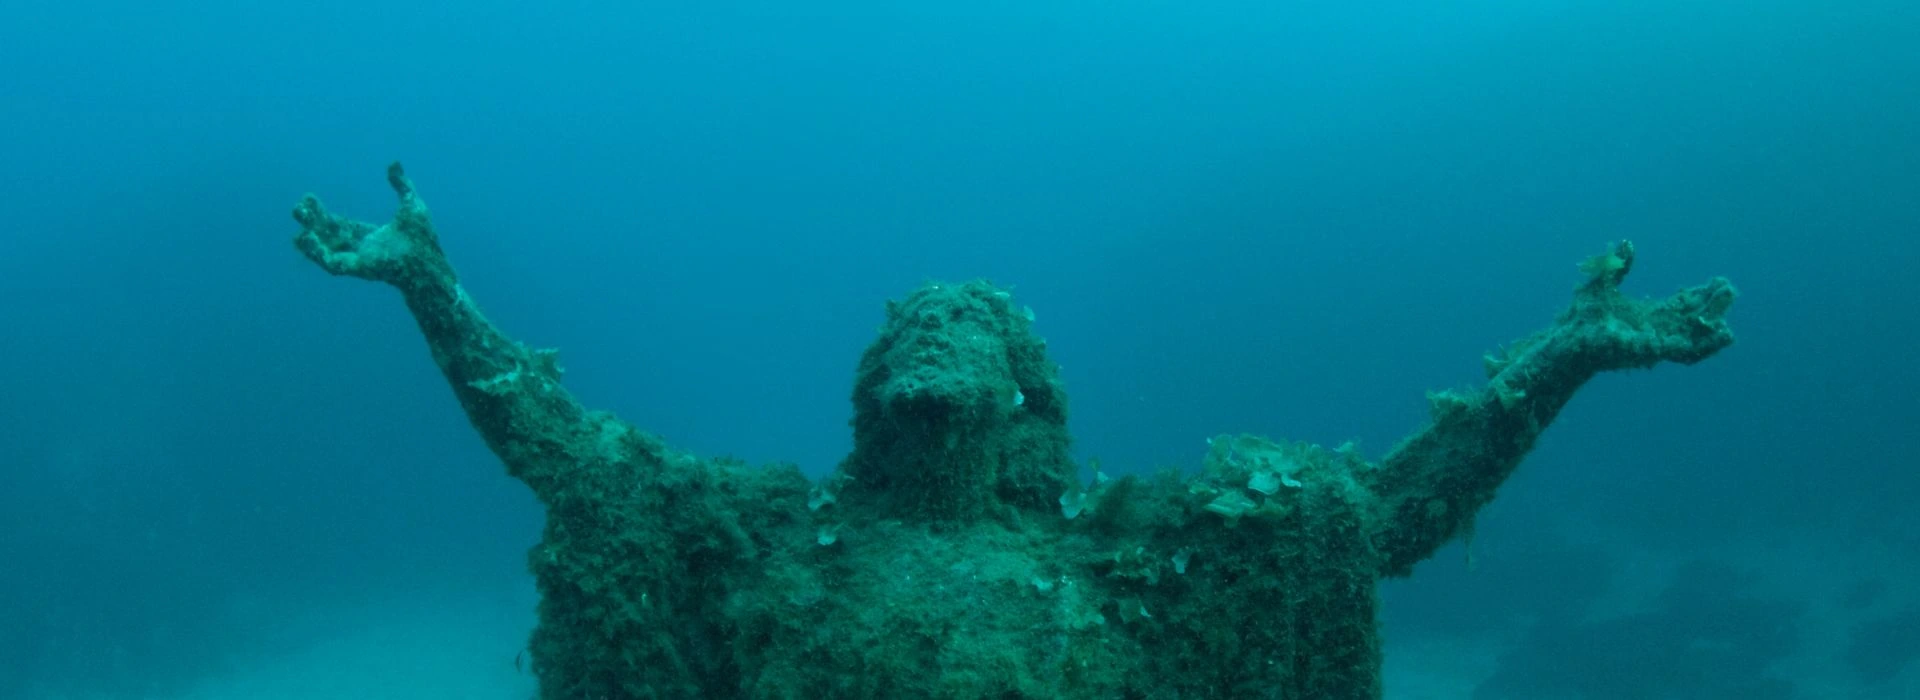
x=1116 y=506
x=958 y=413
x=938 y=562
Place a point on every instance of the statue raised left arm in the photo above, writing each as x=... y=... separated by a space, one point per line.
x=1435 y=481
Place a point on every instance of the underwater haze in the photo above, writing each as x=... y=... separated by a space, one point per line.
x=228 y=475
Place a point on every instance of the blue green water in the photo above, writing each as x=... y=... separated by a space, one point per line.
x=227 y=475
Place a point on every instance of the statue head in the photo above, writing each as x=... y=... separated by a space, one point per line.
x=957 y=412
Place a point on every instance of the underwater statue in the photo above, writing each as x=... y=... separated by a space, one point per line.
x=956 y=553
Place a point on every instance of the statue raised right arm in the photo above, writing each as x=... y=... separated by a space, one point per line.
x=638 y=538
x=511 y=393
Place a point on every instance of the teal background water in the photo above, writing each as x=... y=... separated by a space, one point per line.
x=222 y=468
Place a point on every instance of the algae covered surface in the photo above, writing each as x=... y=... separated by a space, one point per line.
x=958 y=551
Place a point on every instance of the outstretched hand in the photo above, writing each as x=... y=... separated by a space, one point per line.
x=1687 y=327
x=384 y=253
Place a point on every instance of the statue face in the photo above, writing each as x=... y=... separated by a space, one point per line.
x=956 y=407
x=950 y=366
